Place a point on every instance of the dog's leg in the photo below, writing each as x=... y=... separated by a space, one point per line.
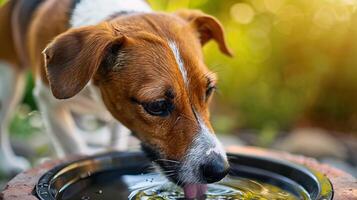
x=12 y=85
x=119 y=136
x=59 y=122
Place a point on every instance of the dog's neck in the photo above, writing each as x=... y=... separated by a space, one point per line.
x=91 y=12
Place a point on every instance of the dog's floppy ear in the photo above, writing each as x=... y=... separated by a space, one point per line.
x=207 y=27
x=73 y=57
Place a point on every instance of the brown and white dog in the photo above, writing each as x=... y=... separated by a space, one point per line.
x=146 y=68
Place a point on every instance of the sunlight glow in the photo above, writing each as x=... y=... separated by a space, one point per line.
x=242 y=13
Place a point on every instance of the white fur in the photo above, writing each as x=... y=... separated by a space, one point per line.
x=11 y=91
x=65 y=135
x=202 y=147
x=91 y=12
x=58 y=122
x=179 y=61
x=212 y=139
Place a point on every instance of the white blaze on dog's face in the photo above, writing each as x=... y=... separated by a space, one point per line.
x=150 y=71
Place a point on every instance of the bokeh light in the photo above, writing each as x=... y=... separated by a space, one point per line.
x=290 y=55
x=242 y=13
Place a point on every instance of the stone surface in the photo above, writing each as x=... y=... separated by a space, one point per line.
x=313 y=142
x=22 y=186
x=345 y=186
x=344 y=166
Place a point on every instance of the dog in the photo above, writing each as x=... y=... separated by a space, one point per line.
x=123 y=62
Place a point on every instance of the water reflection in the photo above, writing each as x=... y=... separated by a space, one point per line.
x=155 y=186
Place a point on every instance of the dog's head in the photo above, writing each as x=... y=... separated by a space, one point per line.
x=152 y=77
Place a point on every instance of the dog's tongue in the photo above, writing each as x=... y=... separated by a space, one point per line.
x=194 y=191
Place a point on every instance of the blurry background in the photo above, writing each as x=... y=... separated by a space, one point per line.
x=292 y=84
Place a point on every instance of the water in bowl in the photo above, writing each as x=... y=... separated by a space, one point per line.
x=156 y=187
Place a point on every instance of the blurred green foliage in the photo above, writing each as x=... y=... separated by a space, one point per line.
x=295 y=63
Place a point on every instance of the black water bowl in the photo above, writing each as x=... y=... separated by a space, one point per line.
x=101 y=172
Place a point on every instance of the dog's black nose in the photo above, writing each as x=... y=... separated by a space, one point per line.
x=216 y=169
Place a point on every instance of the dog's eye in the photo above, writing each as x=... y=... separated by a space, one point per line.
x=209 y=91
x=160 y=108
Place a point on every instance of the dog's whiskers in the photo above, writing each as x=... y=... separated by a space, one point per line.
x=168 y=171
x=167 y=160
x=171 y=174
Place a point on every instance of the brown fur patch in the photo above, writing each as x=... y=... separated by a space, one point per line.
x=7 y=50
x=74 y=57
x=50 y=20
